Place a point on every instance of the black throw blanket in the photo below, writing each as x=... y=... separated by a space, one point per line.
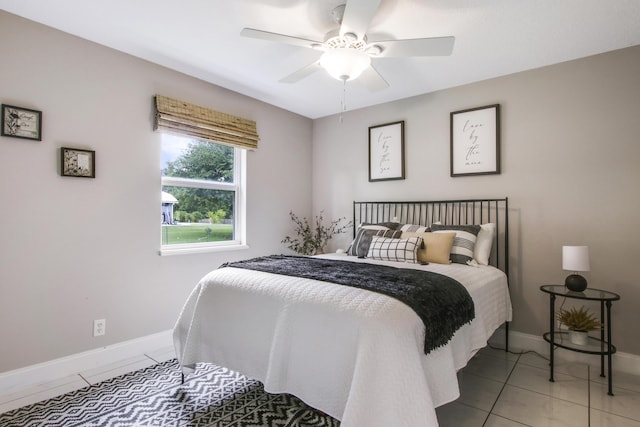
x=443 y=304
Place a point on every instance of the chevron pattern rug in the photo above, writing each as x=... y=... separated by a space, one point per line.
x=155 y=396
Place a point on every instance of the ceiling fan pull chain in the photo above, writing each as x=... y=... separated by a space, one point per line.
x=343 y=101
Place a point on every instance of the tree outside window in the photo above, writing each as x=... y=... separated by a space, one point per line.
x=203 y=179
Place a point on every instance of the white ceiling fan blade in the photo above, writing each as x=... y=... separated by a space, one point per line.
x=302 y=73
x=434 y=46
x=358 y=14
x=279 y=38
x=372 y=79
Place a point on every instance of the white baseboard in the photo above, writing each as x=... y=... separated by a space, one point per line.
x=622 y=362
x=70 y=365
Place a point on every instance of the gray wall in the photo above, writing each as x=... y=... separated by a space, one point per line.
x=570 y=152
x=73 y=250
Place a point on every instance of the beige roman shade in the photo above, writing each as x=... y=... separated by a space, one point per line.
x=204 y=123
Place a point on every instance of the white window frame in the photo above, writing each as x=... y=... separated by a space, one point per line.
x=239 y=216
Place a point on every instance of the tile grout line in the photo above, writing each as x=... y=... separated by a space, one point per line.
x=598 y=384
x=154 y=360
x=504 y=385
x=84 y=379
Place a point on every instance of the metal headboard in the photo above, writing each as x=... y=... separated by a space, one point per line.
x=447 y=212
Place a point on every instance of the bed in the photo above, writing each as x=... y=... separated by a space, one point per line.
x=357 y=355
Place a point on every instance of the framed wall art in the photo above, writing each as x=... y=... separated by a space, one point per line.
x=79 y=163
x=21 y=122
x=386 y=152
x=475 y=141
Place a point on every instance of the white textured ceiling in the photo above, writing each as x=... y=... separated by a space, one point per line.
x=202 y=38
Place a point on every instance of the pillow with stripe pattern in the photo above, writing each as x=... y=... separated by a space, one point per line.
x=390 y=225
x=464 y=242
x=402 y=250
x=360 y=245
x=412 y=228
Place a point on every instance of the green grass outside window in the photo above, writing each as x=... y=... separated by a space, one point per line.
x=196 y=233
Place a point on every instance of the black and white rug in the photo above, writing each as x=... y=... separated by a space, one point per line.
x=155 y=396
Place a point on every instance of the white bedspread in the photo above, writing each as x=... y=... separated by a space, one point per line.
x=354 y=354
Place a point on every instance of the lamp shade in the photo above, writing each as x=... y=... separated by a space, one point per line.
x=344 y=63
x=575 y=258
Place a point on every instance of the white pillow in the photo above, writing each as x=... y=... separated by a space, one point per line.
x=484 y=242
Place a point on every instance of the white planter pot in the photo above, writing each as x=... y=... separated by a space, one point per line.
x=578 y=337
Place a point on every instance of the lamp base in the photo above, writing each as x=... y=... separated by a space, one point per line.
x=575 y=282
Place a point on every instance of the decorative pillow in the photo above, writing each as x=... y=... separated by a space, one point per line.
x=436 y=247
x=412 y=228
x=388 y=225
x=373 y=227
x=403 y=250
x=465 y=240
x=484 y=242
x=360 y=245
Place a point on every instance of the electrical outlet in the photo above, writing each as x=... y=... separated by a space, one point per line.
x=99 y=327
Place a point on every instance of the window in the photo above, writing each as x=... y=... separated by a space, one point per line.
x=203 y=175
x=202 y=194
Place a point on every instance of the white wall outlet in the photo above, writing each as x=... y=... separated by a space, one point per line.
x=99 y=327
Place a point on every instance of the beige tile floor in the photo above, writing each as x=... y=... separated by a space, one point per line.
x=498 y=389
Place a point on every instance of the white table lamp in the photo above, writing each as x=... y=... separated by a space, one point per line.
x=575 y=258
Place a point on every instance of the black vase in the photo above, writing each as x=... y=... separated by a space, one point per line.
x=576 y=283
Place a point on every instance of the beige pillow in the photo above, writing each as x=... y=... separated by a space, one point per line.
x=437 y=246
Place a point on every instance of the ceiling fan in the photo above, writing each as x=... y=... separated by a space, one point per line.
x=348 y=52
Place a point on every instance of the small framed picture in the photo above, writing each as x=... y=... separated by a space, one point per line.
x=475 y=141
x=79 y=163
x=21 y=122
x=386 y=152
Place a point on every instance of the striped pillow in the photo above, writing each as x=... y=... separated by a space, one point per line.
x=386 y=249
x=463 y=244
x=360 y=245
x=390 y=225
x=412 y=228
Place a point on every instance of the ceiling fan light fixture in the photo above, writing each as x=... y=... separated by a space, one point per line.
x=345 y=63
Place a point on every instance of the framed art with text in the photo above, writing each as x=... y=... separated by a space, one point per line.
x=21 y=122
x=386 y=152
x=78 y=163
x=475 y=141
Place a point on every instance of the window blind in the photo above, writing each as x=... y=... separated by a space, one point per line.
x=204 y=123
